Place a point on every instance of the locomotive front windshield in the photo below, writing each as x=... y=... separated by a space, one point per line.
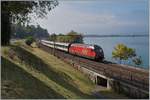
x=98 y=49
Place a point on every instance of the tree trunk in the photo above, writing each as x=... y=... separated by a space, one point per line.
x=120 y=60
x=5 y=28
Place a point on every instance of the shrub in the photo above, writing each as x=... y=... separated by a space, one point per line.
x=29 y=40
x=18 y=43
x=122 y=52
x=137 y=60
x=6 y=51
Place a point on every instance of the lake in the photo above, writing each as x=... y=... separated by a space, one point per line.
x=140 y=44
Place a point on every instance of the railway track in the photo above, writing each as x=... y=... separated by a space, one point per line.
x=133 y=76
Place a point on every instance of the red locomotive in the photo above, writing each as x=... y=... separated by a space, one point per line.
x=88 y=51
x=84 y=50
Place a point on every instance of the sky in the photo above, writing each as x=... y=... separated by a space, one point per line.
x=97 y=17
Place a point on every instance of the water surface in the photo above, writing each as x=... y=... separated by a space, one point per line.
x=140 y=44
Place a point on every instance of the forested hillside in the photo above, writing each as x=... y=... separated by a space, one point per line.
x=70 y=37
x=20 y=31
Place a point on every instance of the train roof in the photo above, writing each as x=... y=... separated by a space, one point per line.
x=57 y=43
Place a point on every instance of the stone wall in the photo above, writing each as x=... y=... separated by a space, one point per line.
x=128 y=90
x=116 y=85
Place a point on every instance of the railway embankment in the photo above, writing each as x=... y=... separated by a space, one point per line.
x=33 y=73
x=33 y=77
x=130 y=81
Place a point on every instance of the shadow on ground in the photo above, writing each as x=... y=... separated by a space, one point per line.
x=31 y=84
x=16 y=83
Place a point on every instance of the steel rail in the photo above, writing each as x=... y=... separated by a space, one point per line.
x=128 y=75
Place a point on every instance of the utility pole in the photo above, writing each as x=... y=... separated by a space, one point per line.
x=54 y=39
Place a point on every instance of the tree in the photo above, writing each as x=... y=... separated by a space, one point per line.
x=137 y=60
x=29 y=40
x=75 y=37
x=53 y=37
x=71 y=37
x=122 y=52
x=20 y=31
x=18 y=12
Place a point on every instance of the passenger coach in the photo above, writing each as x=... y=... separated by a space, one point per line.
x=84 y=50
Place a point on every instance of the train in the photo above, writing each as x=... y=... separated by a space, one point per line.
x=93 y=52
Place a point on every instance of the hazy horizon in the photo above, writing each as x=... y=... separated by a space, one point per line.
x=98 y=17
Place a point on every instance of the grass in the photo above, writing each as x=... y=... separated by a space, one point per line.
x=33 y=73
x=17 y=83
x=112 y=94
x=30 y=73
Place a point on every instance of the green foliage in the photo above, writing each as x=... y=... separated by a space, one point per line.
x=137 y=60
x=29 y=40
x=122 y=52
x=5 y=51
x=18 y=12
x=18 y=43
x=75 y=37
x=20 y=31
x=52 y=37
x=71 y=37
